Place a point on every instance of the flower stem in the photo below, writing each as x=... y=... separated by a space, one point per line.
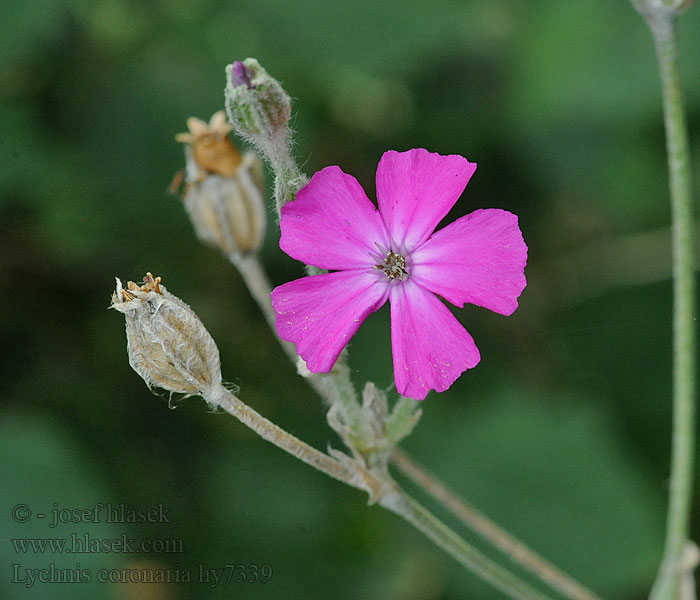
x=258 y=285
x=406 y=507
x=337 y=389
x=664 y=29
x=383 y=488
x=281 y=438
x=515 y=550
x=333 y=387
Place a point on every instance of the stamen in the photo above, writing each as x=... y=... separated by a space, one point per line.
x=394 y=266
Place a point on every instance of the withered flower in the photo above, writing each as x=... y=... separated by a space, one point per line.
x=224 y=191
x=212 y=148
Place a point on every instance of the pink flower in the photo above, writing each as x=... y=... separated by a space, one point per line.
x=394 y=253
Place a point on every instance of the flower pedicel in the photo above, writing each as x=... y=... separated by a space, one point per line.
x=394 y=254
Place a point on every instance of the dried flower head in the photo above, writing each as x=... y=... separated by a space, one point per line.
x=212 y=148
x=167 y=344
x=224 y=191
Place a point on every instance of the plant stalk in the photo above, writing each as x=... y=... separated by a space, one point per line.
x=510 y=546
x=382 y=488
x=664 y=29
x=281 y=438
x=407 y=508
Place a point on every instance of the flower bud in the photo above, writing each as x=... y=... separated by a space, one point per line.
x=256 y=104
x=375 y=431
x=167 y=344
x=240 y=75
x=224 y=193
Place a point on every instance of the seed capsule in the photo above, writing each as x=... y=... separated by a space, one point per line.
x=168 y=345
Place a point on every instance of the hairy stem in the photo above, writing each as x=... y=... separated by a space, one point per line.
x=281 y=438
x=406 y=507
x=515 y=550
x=664 y=30
x=259 y=286
x=381 y=487
x=334 y=387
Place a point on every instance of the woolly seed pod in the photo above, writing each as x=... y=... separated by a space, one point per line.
x=168 y=345
x=229 y=212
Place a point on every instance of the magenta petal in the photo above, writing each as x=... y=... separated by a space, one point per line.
x=332 y=224
x=430 y=347
x=321 y=313
x=416 y=189
x=479 y=259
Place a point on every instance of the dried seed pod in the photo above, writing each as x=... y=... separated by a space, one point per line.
x=168 y=345
x=224 y=193
x=229 y=212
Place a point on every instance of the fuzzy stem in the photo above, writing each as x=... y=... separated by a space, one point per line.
x=385 y=490
x=407 y=508
x=335 y=387
x=280 y=438
x=515 y=550
x=664 y=29
x=255 y=278
x=288 y=178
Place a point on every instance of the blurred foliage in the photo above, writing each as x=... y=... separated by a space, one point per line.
x=561 y=433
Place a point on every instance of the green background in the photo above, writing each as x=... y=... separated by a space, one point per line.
x=562 y=432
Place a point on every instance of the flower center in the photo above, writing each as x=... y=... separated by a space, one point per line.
x=394 y=266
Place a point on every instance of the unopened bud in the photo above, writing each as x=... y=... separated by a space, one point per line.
x=224 y=192
x=240 y=75
x=256 y=104
x=167 y=344
x=373 y=432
